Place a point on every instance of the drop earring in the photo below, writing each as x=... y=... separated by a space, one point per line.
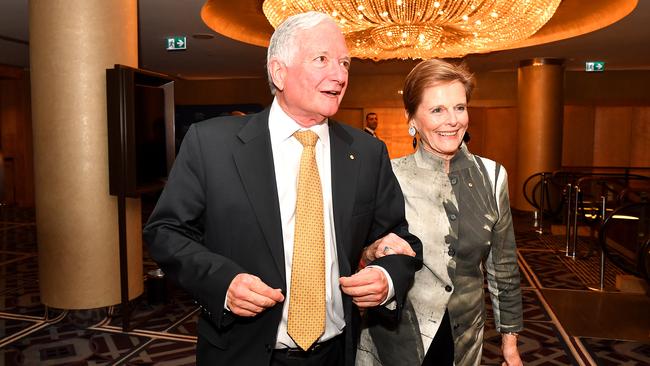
x=412 y=132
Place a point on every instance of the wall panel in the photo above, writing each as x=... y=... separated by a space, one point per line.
x=500 y=141
x=640 y=138
x=393 y=130
x=351 y=116
x=578 y=136
x=612 y=137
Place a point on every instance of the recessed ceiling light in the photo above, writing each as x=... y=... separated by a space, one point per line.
x=202 y=36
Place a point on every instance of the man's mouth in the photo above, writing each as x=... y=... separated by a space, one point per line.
x=332 y=93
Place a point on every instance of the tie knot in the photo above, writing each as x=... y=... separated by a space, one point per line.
x=306 y=138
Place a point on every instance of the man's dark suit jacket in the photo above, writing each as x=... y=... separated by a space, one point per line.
x=219 y=216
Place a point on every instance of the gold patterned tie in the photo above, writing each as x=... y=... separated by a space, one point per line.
x=307 y=299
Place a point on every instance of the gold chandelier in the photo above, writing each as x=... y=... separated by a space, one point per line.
x=419 y=29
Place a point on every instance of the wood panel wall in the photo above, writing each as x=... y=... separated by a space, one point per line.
x=16 y=137
x=351 y=116
x=640 y=138
x=577 y=136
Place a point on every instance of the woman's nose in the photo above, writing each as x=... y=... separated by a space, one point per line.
x=453 y=119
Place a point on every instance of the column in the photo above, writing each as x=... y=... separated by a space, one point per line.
x=72 y=43
x=540 y=83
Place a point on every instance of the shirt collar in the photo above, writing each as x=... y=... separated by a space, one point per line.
x=282 y=127
x=427 y=160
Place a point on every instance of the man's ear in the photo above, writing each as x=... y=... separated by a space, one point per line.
x=278 y=72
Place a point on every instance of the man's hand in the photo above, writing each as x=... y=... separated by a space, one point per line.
x=389 y=244
x=510 y=351
x=368 y=287
x=248 y=296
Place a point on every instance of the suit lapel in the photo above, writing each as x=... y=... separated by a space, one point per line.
x=344 y=182
x=254 y=161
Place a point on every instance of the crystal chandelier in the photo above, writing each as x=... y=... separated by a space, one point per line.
x=418 y=29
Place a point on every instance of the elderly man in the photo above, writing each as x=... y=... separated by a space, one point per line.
x=264 y=217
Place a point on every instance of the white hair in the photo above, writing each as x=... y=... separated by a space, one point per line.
x=282 y=46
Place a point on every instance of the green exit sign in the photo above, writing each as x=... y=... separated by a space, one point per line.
x=591 y=66
x=176 y=43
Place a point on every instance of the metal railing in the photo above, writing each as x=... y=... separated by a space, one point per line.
x=624 y=237
x=591 y=196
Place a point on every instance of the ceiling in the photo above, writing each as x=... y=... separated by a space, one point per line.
x=622 y=45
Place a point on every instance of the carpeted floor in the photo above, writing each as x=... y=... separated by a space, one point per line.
x=164 y=333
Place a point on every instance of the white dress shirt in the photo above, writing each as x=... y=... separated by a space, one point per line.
x=287 y=151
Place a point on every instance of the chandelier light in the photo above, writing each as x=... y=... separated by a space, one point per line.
x=420 y=29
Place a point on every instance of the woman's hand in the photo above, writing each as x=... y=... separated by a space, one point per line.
x=389 y=244
x=510 y=351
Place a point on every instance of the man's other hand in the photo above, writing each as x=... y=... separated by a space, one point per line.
x=368 y=287
x=248 y=296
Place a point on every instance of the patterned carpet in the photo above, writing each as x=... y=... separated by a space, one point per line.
x=164 y=334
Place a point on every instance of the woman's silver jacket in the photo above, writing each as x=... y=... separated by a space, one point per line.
x=463 y=219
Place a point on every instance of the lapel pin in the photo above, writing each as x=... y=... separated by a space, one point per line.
x=351 y=157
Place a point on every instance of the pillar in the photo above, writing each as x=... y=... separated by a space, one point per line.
x=540 y=83
x=72 y=43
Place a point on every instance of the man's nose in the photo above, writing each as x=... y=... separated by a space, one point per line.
x=339 y=73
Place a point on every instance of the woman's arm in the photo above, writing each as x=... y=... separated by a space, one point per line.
x=503 y=277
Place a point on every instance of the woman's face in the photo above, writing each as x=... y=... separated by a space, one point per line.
x=441 y=118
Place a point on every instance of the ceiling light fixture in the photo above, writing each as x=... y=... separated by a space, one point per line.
x=418 y=29
x=202 y=36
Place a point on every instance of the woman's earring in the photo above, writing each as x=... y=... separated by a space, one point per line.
x=412 y=132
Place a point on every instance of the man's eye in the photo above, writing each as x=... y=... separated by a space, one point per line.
x=321 y=59
x=346 y=64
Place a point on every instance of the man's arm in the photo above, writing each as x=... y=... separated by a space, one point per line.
x=369 y=287
x=175 y=238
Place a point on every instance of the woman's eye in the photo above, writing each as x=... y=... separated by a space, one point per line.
x=436 y=110
x=461 y=108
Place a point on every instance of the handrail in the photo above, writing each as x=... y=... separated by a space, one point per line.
x=543 y=189
x=640 y=269
x=605 y=167
x=577 y=175
x=644 y=259
x=573 y=183
x=605 y=182
x=526 y=182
